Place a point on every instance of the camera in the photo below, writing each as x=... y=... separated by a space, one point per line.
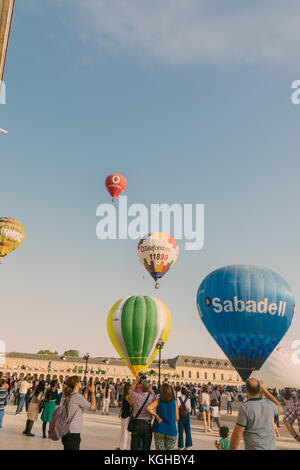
x=142 y=377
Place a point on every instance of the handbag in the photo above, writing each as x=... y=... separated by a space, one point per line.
x=132 y=423
x=42 y=403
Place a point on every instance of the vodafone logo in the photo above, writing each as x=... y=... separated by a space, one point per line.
x=116 y=179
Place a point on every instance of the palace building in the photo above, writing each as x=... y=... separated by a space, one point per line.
x=179 y=369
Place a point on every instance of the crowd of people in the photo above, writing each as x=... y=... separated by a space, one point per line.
x=148 y=412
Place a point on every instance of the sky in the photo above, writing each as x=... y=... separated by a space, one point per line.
x=191 y=101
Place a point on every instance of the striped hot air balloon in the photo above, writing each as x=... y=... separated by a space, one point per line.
x=158 y=252
x=12 y=234
x=135 y=326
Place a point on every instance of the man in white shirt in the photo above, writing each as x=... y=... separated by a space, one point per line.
x=24 y=386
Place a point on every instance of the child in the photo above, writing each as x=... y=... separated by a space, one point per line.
x=214 y=409
x=224 y=442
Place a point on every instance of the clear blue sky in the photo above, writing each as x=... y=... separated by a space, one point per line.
x=192 y=103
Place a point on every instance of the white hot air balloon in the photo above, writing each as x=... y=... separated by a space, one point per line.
x=280 y=370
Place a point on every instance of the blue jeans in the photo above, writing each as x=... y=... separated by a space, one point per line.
x=20 y=403
x=229 y=407
x=1 y=417
x=184 y=425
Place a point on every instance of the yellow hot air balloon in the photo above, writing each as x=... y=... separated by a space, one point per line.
x=12 y=234
x=135 y=326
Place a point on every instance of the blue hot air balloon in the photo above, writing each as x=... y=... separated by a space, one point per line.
x=247 y=310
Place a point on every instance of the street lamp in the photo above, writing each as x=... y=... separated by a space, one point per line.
x=159 y=346
x=86 y=358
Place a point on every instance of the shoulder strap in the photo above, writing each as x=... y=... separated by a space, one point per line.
x=68 y=409
x=142 y=407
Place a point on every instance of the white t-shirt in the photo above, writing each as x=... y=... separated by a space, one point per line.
x=205 y=399
x=187 y=403
x=215 y=411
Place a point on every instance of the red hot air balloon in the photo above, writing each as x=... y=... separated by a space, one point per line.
x=115 y=185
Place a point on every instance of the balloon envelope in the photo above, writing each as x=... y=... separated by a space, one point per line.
x=158 y=252
x=280 y=370
x=247 y=310
x=115 y=184
x=12 y=234
x=135 y=325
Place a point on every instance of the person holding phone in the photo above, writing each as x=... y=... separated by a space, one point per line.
x=76 y=404
x=141 y=438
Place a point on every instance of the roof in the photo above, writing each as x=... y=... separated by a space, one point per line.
x=171 y=364
x=61 y=358
x=196 y=361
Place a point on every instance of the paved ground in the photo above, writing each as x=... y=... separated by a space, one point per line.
x=101 y=432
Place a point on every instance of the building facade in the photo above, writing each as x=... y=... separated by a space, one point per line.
x=190 y=369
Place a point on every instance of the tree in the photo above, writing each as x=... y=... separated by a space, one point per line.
x=71 y=353
x=47 y=352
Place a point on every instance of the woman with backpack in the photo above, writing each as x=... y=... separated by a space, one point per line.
x=184 y=424
x=166 y=418
x=34 y=408
x=76 y=404
x=125 y=413
x=229 y=401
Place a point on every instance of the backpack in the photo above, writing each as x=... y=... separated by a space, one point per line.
x=60 y=424
x=182 y=409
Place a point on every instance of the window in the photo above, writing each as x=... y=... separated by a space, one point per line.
x=182 y=373
x=190 y=374
x=205 y=375
x=214 y=376
x=222 y=376
x=198 y=375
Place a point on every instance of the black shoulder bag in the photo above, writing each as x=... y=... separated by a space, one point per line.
x=132 y=423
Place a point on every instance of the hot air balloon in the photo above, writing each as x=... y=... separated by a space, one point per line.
x=158 y=252
x=280 y=370
x=115 y=185
x=135 y=326
x=12 y=234
x=247 y=310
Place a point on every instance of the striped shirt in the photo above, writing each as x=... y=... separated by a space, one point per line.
x=293 y=414
x=138 y=399
x=3 y=396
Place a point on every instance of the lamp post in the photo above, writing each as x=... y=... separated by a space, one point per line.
x=159 y=346
x=86 y=358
